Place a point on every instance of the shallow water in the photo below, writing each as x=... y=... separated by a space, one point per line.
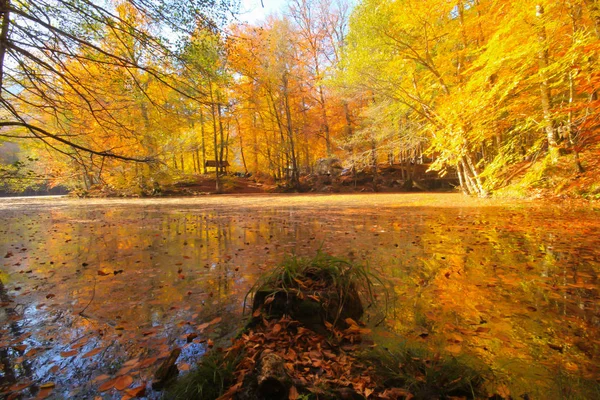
x=94 y=288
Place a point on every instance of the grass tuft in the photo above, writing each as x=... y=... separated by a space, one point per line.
x=212 y=377
x=324 y=271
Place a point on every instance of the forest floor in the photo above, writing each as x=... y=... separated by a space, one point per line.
x=389 y=179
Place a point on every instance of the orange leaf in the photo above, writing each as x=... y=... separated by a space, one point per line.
x=293 y=395
x=93 y=352
x=215 y=321
x=102 y=273
x=138 y=391
x=276 y=329
x=44 y=393
x=123 y=382
x=202 y=327
x=107 y=385
x=66 y=354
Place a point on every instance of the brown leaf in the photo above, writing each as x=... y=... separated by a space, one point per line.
x=215 y=321
x=107 y=385
x=269 y=300
x=123 y=382
x=293 y=395
x=47 y=385
x=93 y=352
x=102 y=273
x=276 y=329
x=44 y=393
x=66 y=354
x=396 y=394
x=138 y=391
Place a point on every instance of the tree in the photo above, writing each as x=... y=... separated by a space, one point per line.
x=51 y=51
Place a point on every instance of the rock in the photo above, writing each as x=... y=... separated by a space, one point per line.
x=167 y=371
x=273 y=381
x=305 y=308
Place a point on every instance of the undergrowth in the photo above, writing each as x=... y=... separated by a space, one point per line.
x=213 y=375
x=427 y=375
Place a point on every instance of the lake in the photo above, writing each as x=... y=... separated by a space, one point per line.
x=96 y=288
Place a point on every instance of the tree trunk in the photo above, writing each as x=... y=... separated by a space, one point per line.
x=203 y=141
x=544 y=87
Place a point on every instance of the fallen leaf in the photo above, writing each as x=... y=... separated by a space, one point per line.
x=138 y=391
x=102 y=273
x=184 y=367
x=107 y=385
x=93 y=352
x=47 y=385
x=66 y=354
x=44 y=393
x=123 y=382
x=203 y=326
x=215 y=321
x=293 y=395
x=50 y=295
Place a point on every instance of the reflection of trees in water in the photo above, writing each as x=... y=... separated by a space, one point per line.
x=12 y=371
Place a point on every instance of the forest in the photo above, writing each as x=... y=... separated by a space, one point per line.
x=472 y=273
x=131 y=95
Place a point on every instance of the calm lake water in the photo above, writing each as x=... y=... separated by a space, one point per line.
x=93 y=289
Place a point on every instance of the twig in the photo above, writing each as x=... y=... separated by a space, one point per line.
x=92 y=299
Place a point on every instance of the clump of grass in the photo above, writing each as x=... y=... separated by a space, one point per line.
x=322 y=273
x=212 y=377
x=426 y=375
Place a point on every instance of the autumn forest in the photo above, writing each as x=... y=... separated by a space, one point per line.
x=304 y=200
x=133 y=94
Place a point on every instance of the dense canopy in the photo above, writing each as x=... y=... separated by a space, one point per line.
x=128 y=93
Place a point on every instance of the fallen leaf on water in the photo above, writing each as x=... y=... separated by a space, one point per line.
x=107 y=386
x=138 y=391
x=202 y=327
x=66 y=354
x=44 y=393
x=123 y=382
x=454 y=349
x=47 y=385
x=147 y=362
x=131 y=362
x=184 y=367
x=100 y=378
x=93 y=352
x=19 y=386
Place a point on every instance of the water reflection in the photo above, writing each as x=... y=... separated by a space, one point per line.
x=511 y=284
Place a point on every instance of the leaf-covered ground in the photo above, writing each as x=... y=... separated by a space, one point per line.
x=96 y=293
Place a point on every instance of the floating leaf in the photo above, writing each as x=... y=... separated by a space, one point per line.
x=123 y=382
x=93 y=352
